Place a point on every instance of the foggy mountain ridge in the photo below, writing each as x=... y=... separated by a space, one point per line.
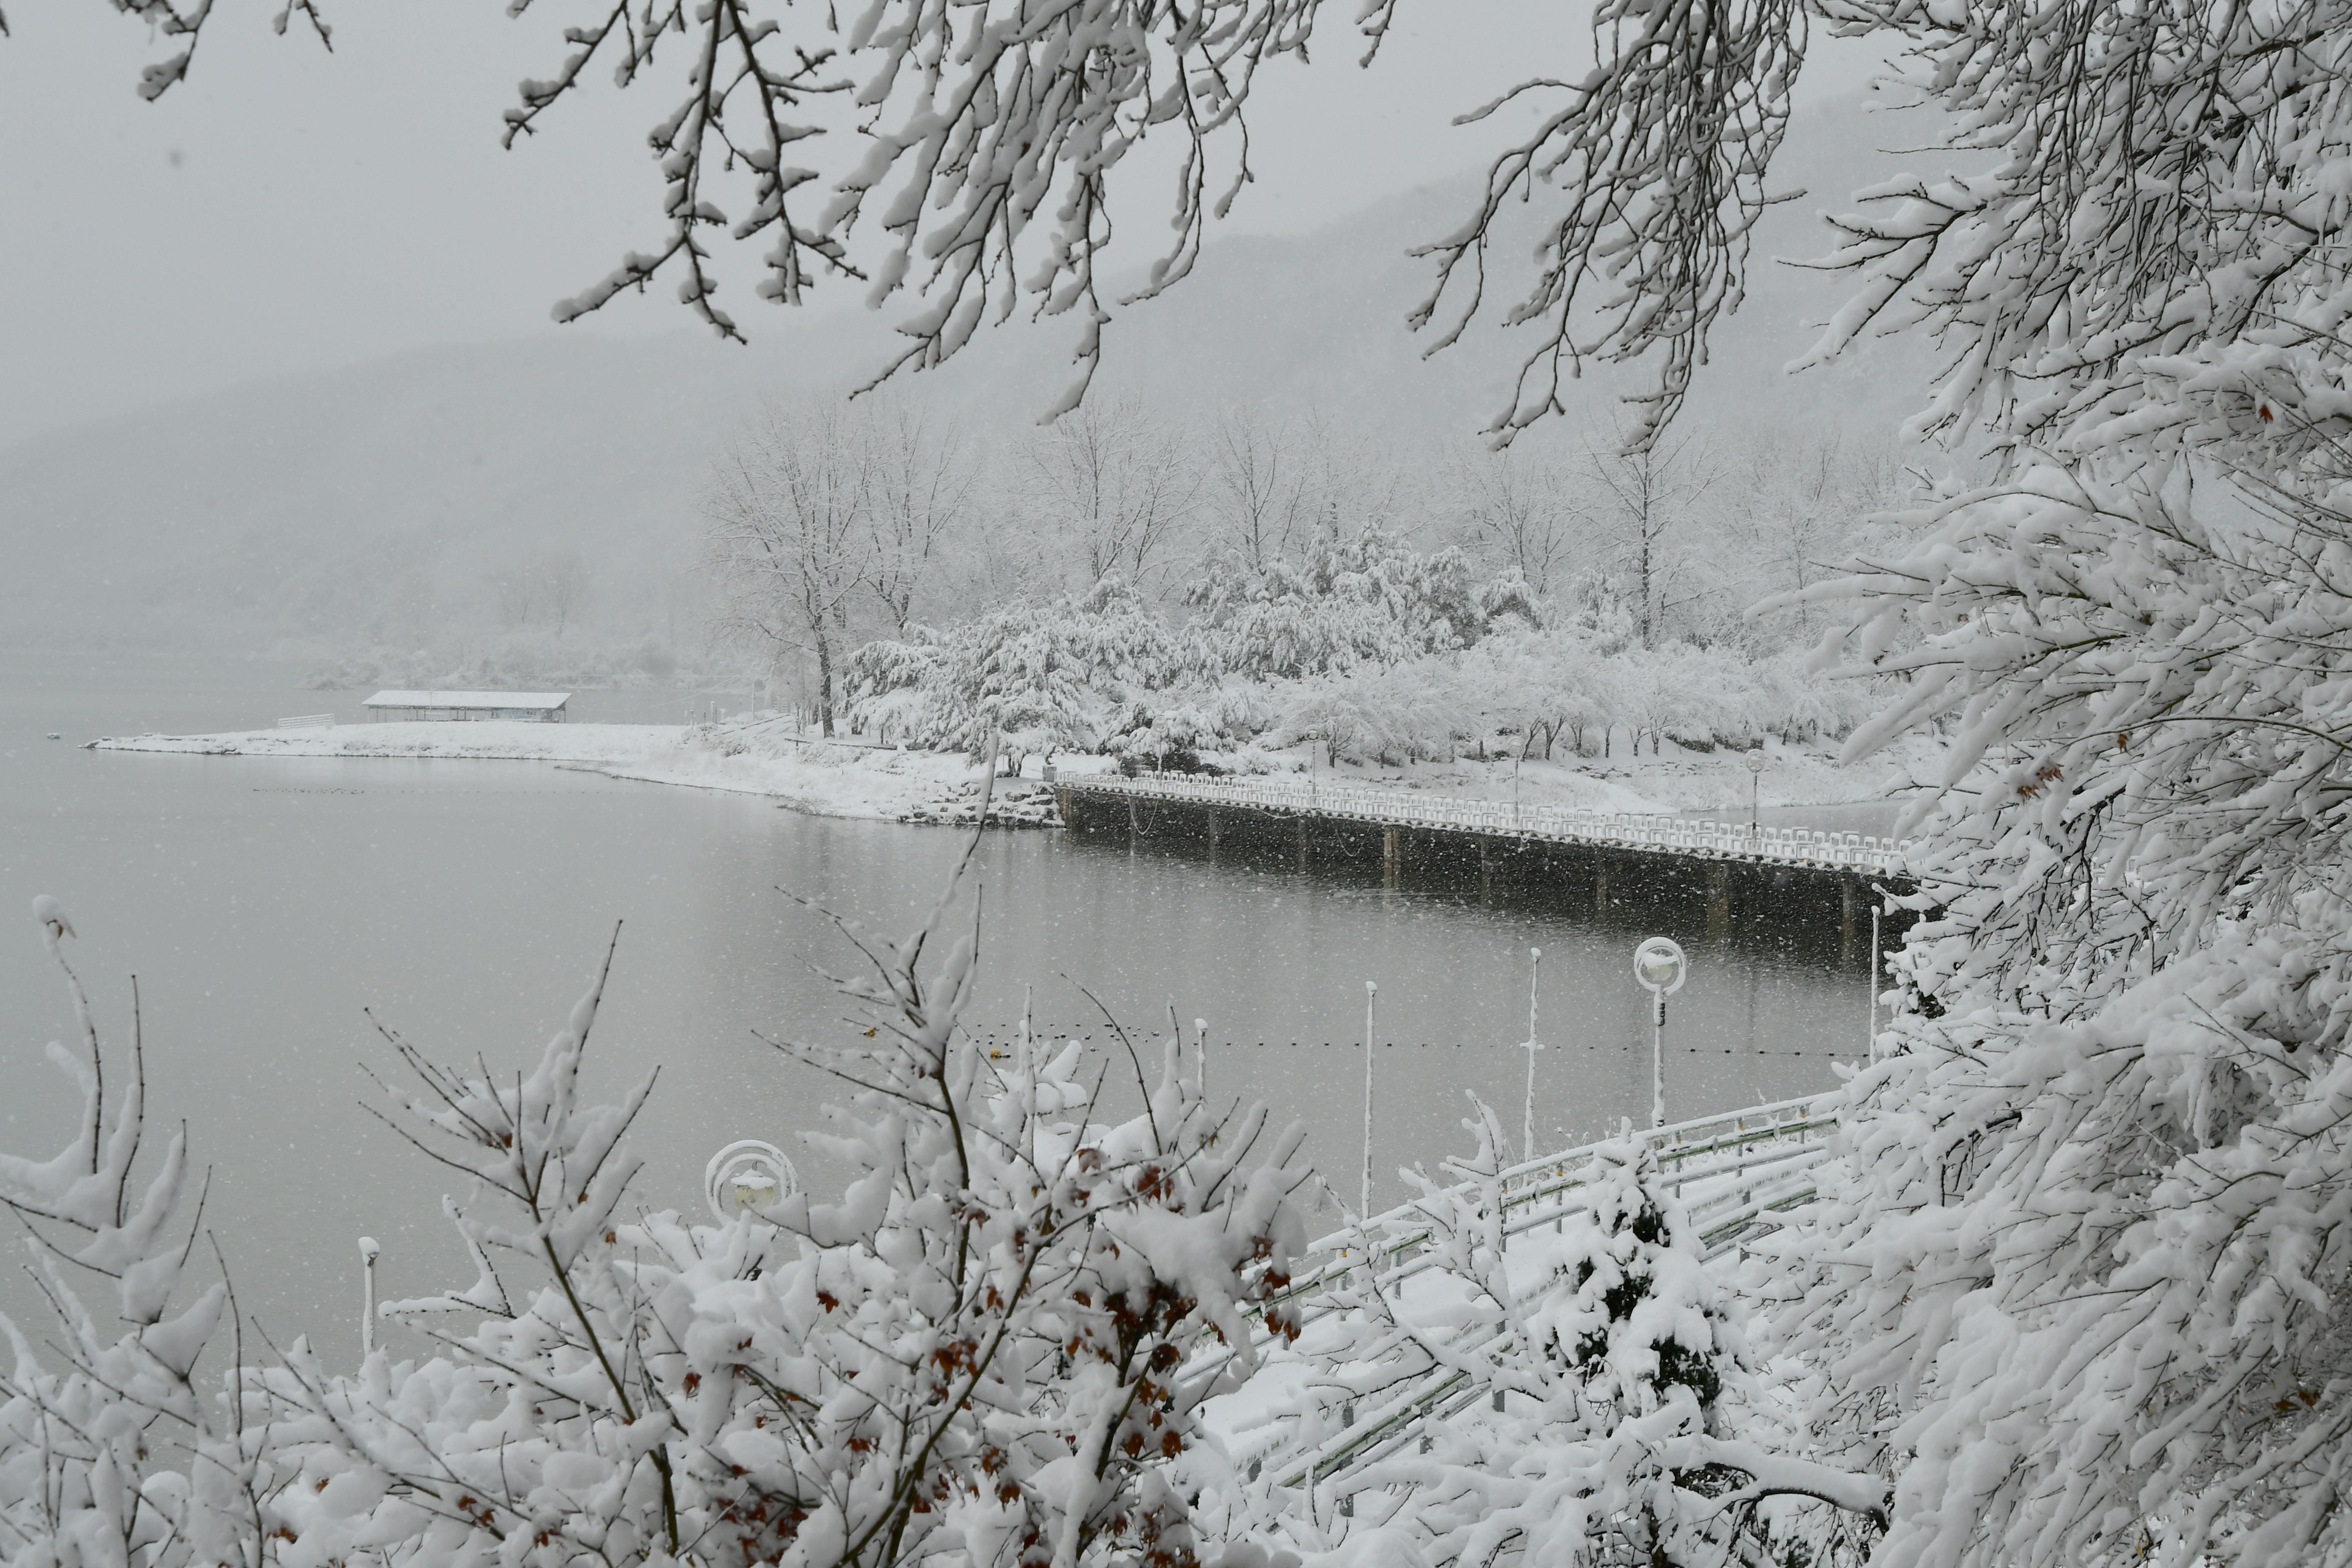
x=303 y=513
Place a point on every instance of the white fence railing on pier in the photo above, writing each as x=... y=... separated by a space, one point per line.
x=1856 y=852
x=307 y=721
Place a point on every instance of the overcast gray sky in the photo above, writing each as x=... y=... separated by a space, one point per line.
x=287 y=209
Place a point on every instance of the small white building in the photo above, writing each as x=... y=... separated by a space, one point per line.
x=439 y=707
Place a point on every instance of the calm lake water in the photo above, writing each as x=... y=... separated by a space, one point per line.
x=265 y=904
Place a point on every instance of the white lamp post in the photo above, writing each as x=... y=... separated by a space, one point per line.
x=1364 y=1192
x=1661 y=969
x=1527 y=1118
x=1876 y=900
x=368 y=1250
x=748 y=1177
x=1755 y=784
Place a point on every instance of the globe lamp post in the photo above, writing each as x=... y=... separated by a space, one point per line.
x=1660 y=968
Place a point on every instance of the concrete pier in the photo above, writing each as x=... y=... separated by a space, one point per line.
x=1724 y=887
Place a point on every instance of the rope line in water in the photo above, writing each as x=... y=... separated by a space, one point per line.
x=990 y=1036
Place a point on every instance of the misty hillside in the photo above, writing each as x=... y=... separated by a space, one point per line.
x=312 y=511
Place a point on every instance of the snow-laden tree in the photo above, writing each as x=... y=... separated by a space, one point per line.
x=110 y=1451
x=1371 y=599
x=791 y=537
x=1399 y=713
x=1066 y=672
x=1523 y=509
x=921 y=479
x=1629 y=1424
x=2089 y=1275
x=1540 y=685
x=1649 y=533
x=2082 y=1280
x=962 y=154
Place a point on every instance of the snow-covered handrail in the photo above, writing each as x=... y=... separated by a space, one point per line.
x=1856 y=852
x=1704 y=1149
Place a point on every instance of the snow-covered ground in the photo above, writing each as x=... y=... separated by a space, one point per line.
x=848 y=778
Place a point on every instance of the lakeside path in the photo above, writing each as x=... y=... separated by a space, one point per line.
x=851 y=779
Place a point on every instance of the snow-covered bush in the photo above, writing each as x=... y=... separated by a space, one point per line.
x=1629 y=1424
x=990 y=1350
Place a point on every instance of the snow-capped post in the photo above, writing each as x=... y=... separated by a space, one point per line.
x=1364 y=1192
x=1661 y=968
x=1201 y=1061
x=1527 y=1118
x=1875 y=905
x=368 y=1249
x=1755 y=789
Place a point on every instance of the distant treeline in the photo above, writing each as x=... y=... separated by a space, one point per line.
x=1122 y=583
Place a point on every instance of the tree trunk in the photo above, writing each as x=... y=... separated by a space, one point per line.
x=824 y=682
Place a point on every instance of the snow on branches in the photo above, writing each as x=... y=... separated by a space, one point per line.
x=992 y=1348
x=965 y=153
x=2082 y=1272
x=88 y=1447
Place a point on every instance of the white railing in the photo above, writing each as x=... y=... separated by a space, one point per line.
x=307 y=721
x=1767 y=1140
x=1628 y=830
x=1748 y=1167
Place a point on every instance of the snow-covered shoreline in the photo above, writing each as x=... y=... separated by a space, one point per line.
x=850 y=779
x=821 y=778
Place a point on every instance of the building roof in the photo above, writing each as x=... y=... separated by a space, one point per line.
x=468 y=700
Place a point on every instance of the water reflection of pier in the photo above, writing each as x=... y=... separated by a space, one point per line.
x=1790 y=874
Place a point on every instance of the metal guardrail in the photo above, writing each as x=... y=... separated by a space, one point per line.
x=1626 y=830
x=307 y=721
